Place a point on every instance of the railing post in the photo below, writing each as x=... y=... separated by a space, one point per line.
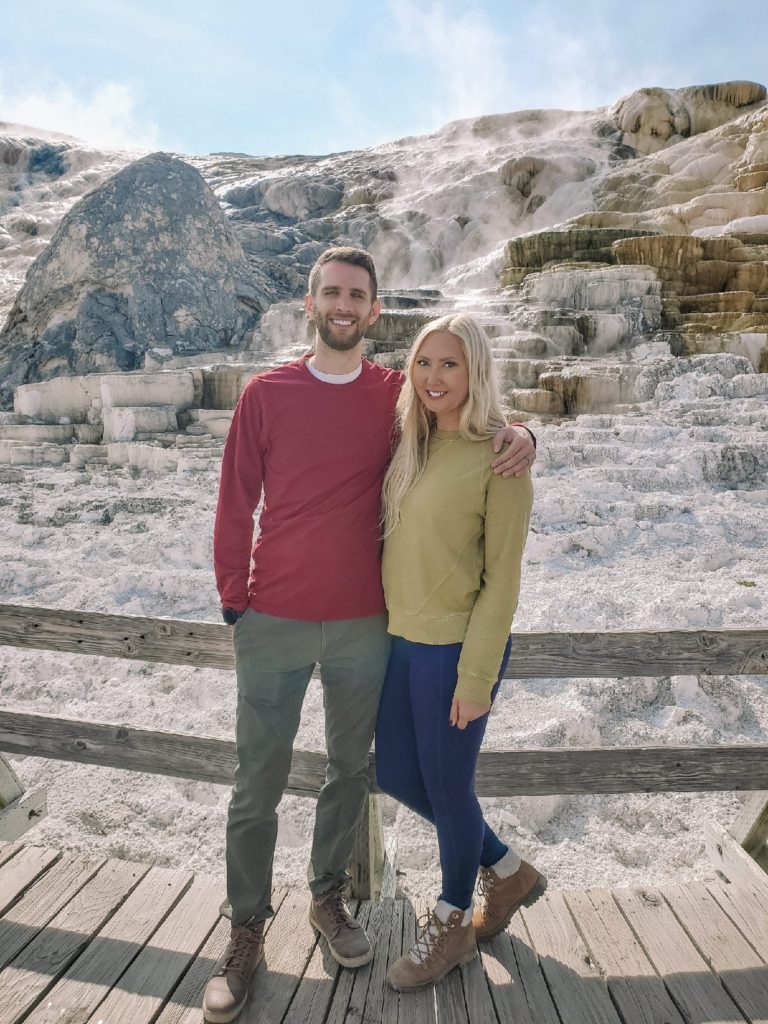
x=19 y=811
x=751 y=827
x=10 y=787
x=367 y=862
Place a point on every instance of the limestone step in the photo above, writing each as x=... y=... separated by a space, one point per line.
x=718 y=302
x=704 y=322
x=17 y=453
x=35 y=432
x=536 y=401
x=752 y=179
x=214 y=421
x=125 y=423
x=163 y=389
x=82 y=453
x=411 y=298
x=753 y=345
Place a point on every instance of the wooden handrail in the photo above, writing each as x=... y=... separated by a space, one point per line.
x=534 y=655
x=567 y=770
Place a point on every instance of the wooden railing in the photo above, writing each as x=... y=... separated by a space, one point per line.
x=568 y=770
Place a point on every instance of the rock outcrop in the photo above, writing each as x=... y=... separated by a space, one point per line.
x=651 y=119
x=146 y=262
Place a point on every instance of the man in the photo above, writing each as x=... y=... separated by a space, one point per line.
x=316 y=437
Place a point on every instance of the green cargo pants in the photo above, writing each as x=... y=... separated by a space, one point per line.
x=274 y=659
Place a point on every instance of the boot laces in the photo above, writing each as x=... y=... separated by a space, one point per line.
x=432 y=931
x=336 y=906
x=486 y=882
x=241 y=943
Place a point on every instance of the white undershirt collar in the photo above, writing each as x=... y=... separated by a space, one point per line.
x=335 y=378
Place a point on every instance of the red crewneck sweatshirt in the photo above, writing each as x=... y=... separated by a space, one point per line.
x=319 y=453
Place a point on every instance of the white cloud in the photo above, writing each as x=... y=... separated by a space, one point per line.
x=107 y=117
x=462 y=54
x=586 y=69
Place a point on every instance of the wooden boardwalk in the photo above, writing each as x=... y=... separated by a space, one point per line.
x=86 y=939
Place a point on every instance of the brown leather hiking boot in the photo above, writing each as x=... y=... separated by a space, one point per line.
x=226 y=992
x=441 y=946
x=503 y=896
x=346 y=938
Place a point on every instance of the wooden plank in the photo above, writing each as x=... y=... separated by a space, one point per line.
x=537 y=655
x=515 y=980
x=636 y=989
x=43 y=901
x=638 y=653
x=448 y=995
x=27 y=979
x=19 y=872
x=348 y=1001
x=477 y=997
x=143 y=989
x=288 y=947
x=697 y=992
x=750 y=827
x=8 y=850
x=570 y=770
x=169 y=641
x=573 y=770
x=181 y=755
x=415 y=1007
x=18 y=817
x=337 y=1010
x=369 y=978
x=729 y=858
x=87 y=982
x=184 y=1004
x=742 y=973
x=381 y=1000
x=313 y=996
x=575 y=981
x=747 y=910
x=391 y=1001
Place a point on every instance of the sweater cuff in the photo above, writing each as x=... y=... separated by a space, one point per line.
x=473 y=688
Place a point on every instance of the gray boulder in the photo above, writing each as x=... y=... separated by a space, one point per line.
x=147 y=261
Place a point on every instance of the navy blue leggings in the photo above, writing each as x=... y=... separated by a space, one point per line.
x=429 y=765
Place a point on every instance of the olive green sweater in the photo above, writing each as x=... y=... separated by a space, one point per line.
x=451 y=567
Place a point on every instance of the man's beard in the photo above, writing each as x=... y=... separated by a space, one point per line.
x=325 y=330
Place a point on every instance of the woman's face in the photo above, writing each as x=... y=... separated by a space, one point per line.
x=440 y=377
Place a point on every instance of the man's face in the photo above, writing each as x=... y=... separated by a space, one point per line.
x=342 y=309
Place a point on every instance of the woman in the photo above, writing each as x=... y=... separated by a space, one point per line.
x=454 y=537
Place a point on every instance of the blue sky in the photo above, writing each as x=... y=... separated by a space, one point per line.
x=293 y=76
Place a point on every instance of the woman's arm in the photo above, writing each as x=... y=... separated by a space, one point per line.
x=507 y=515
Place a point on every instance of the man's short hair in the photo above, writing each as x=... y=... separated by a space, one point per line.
x=344 y=254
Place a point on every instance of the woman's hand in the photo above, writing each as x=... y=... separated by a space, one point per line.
x=520 y=455
x=465 y=711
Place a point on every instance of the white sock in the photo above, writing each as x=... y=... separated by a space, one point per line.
x=444 y=910
x=508 y=865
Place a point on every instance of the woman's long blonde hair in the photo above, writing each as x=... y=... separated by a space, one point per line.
x=480 y=416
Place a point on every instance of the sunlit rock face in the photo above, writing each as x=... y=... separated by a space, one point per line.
x=650 y=119
x=145 y=262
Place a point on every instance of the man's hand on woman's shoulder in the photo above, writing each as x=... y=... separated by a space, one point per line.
x=521 y=454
